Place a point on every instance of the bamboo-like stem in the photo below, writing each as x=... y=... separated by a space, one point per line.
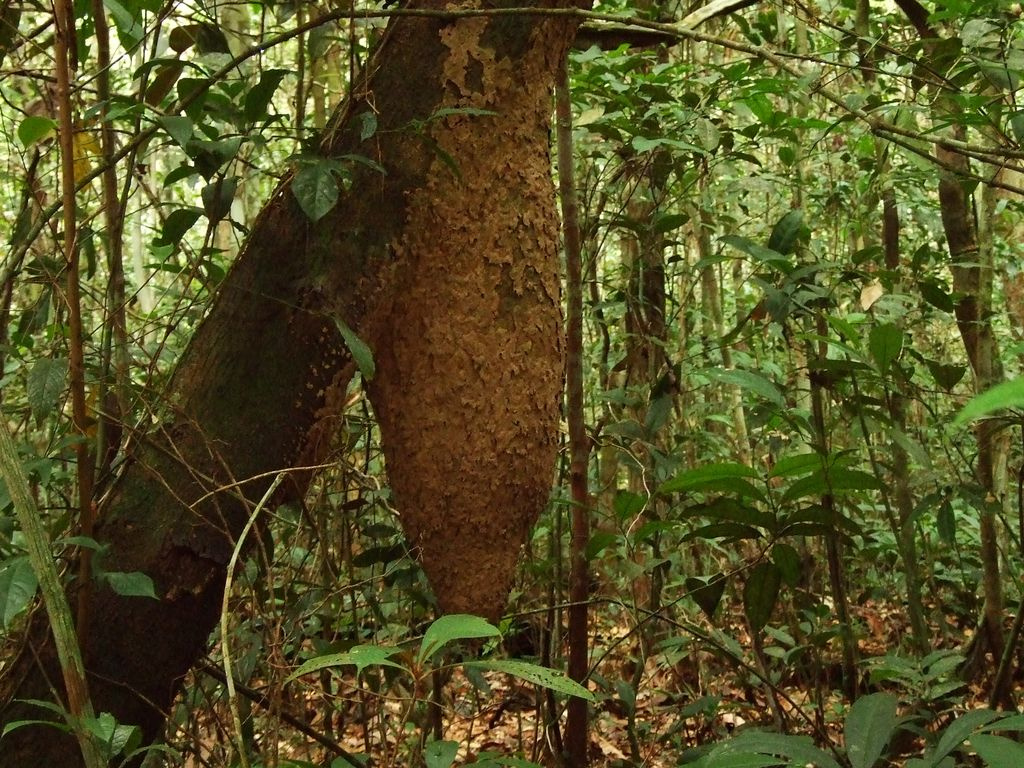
x=57 y=607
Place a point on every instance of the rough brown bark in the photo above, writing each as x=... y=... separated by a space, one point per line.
x=449 y=276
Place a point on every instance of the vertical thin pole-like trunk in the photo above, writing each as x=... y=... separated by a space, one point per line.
x=972 y=280
x=579 y=447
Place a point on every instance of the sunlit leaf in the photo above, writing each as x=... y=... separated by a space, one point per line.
x=455 y=626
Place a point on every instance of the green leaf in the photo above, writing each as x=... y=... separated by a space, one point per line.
x=997 y=751
x=367 y=125
x=787 y=560
x=960 y=729
x=178 y=127
x=758 y=252
x=133 y=584
x=934 y=292
x=109 y=733
x=46 y=380
x=257 y=100
x=750 y=381
x=1009 y=394
x=455 y=626
x=716 y=476
x=18 y=586
x=361 y=352
x=177 y=223
x=835 y=481
x=34 y=129
x=533 y=673
x=1017 y=125
x=360 y=657
x=760 y=594
x=209 y=156
x=218 y=197
x=440 y=754
x=707 y=134
x=707 y=592
x=885 y=344
x=129 y=28
x=786 y=231
x=797 y=464
x=946 y=375
x=869 y=725
x=316 y=189
x=945 y=521
x=742 y=760
x=798 y=750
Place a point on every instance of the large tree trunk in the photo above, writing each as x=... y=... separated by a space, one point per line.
x=451 y=277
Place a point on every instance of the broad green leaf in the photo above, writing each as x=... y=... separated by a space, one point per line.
x=707 y=592
x=724 y=531
x=177 y=223
x=1017 y=125
x=129 y=28
x=367 y=125
x=707 y=134
x=178 y=127
x=760 y=594
x=209 y=156
x=1008 y=723
x=998 y=751
x=133 y=584
x=786 y=231
x=440 y=754
x=1009 y=394
x=869 y=725
x=733 y=511
x=360 y=657
x=960 y=729
x=218 y=197
x=455 y=626
x=798 y=464
x=316 y=189
x=18 y=586
x=759 y=252
x=112 y=735
x=538 y=675
x=742 y=760
x=628 y=505
x=46 y=381
x=945 y=521
x=361 y=352
x=787 y=560
x=750 y=381
x=798 y=750
x=885 y=344
x=724 y=476
x=836 y=481
x=35 y=128
x=257 y=100
x=946 y=375
x=935 y=293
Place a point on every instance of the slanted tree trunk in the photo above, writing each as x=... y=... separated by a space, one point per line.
x=449 y=275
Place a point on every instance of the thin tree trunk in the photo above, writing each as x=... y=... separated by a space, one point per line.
x=263 y=380
x=972 y=281
x=576 y=734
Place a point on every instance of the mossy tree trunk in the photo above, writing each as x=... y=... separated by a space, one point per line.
x=449 y=275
